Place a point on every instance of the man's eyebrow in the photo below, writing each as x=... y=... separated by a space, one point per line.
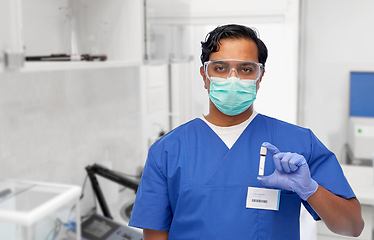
x=221 y=62
x=248 y=63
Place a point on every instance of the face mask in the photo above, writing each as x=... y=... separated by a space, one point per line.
x=232 y=96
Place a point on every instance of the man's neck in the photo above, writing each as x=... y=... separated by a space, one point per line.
x=217 y=118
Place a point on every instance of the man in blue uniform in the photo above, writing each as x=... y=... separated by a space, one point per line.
x=201 y=179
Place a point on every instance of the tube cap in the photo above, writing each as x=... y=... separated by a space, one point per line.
x=263 y=151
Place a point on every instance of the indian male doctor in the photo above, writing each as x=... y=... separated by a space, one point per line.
x=200 y=180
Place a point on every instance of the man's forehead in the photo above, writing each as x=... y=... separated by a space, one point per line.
x=242 y=48
x=232 y=61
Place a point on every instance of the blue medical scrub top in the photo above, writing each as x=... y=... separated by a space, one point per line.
x=196 y=188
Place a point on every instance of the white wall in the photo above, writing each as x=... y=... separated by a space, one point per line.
x=154 y=104
x=337 y=37
x=55 y=123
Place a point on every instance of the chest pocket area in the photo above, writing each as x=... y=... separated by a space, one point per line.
x=289 y=206
x=287 y=215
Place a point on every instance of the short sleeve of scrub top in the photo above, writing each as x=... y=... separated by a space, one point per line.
x=152 y=197
x=323 y=164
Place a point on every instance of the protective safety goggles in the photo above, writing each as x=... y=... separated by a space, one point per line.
x=223 y=68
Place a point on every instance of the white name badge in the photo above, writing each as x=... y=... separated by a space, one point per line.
x=263 y=198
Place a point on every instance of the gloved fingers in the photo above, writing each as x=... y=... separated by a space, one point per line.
x=264 y=180
x=271 y=148
x=277 y=162
x=285 y=162
x=288 y=162
x=302 y=161
x=295 y=161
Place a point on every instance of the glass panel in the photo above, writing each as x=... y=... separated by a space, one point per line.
x=24 y=197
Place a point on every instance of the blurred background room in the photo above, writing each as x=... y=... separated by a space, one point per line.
x=85 y=82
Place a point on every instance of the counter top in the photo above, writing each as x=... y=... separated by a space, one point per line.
x=361 y=180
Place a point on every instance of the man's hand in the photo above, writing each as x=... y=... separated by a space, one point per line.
x=291 y=173
x=342 y=216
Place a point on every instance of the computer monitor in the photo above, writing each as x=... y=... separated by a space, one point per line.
x=362 y=94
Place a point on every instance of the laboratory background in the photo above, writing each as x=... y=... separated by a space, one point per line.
x=86 y=86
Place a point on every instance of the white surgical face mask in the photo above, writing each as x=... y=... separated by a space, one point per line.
x=232 y=96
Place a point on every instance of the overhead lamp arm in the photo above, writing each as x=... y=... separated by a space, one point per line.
x=111 y=175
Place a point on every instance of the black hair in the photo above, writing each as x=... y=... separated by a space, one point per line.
x=212 y=40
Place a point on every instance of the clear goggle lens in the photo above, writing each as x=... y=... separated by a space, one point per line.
x=244 y=70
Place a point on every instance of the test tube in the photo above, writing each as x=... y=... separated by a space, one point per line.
x=261 y=167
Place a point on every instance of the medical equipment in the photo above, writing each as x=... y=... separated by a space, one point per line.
x=361 y=121
x=261 y=167
x=361 y=138
x=114 y=176
x=101 y=228
x=35 y=210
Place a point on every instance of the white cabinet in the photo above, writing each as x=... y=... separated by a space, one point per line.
x=168 y=42
x=114 y=28
x=168 y=31
x=11 y=40
x=126 y=31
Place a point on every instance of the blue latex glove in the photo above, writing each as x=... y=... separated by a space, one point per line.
x=291 y=173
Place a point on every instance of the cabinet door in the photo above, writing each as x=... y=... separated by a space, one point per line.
x=168 y=30
x=11 y=26
x=11 y=41
x=114 y=28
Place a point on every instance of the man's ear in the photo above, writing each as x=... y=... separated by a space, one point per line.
x=259 y=81
x=202 y=73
